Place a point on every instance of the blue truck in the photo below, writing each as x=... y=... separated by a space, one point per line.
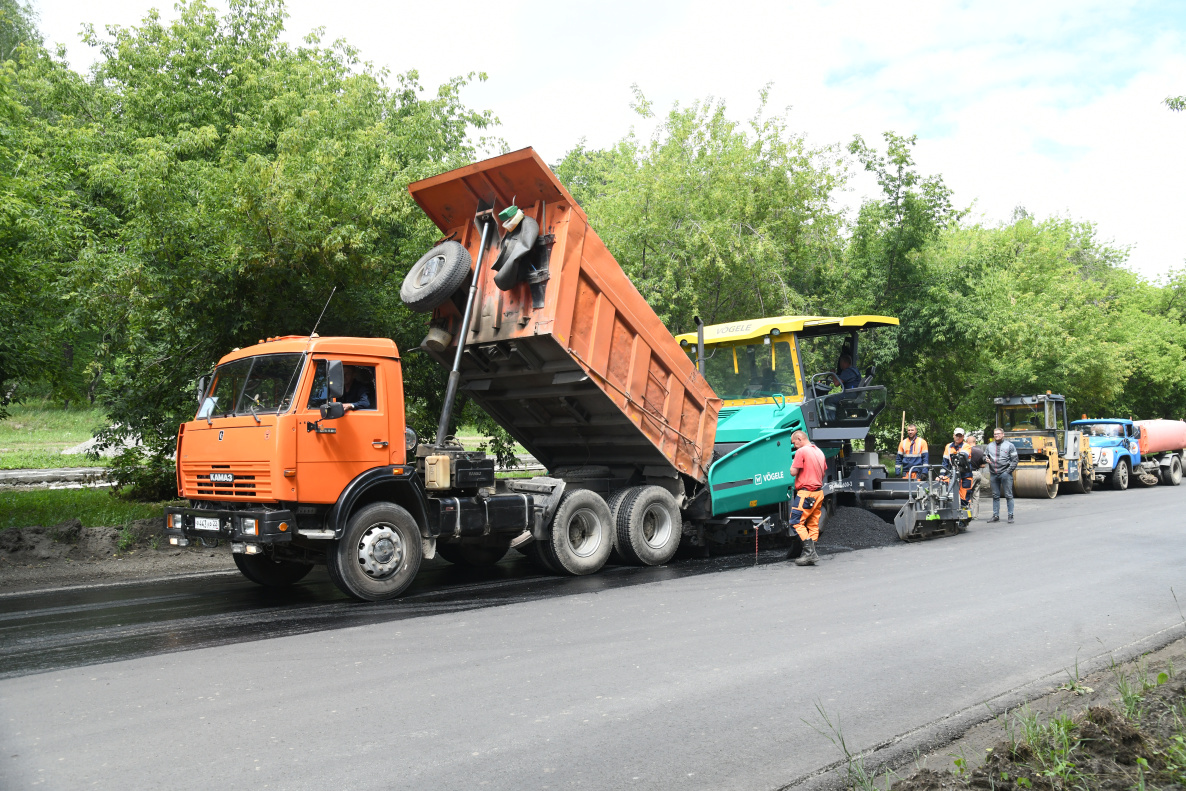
x=1144 y=451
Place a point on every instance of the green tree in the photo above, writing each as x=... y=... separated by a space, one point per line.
x=711 y=217
x=231 y=181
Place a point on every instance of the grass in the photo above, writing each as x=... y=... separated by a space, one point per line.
x=95 y=507
x=36 y=433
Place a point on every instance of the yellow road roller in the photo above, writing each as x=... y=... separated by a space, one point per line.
x=1050 y=452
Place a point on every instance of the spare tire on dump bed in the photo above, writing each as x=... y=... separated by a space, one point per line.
x=435 y=277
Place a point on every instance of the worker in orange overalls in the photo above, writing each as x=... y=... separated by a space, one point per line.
x=955 y=447
x=912 y=453
x=808 y=468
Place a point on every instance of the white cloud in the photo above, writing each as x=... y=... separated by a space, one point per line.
x=1052 y=105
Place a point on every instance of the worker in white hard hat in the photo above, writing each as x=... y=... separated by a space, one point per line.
x=958 y=445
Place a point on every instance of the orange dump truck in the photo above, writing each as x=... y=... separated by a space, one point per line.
x=299 y=453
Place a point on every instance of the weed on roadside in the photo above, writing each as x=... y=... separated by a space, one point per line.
x=857 y=776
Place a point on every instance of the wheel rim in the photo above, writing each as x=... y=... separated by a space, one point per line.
x=429 y=270
x=656 y=526
x=584 y=533
x=1122 y=475
x=380 y=551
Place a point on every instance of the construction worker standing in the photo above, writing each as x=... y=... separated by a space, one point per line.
x=954 y=448
x=808 y=468
x=912 y=452
x=1001 y=456
x=979 y=477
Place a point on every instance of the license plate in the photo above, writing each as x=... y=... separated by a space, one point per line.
x=206 y=523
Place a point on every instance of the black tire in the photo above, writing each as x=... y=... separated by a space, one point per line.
x=1119 y=478
x=1172 y=475
x=378 y=554
x=647 y=526
x=473 y=554
x=536 y=552
x=434 y=278
x=1082 y=486
x=582 y=535
x=263 y=570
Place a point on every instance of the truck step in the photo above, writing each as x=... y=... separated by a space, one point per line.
x=320 y=534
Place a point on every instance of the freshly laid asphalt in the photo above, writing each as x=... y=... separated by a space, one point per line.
x=705 y=674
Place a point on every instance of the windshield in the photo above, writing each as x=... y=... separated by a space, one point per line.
x=1103 y=429
x=263 y=384
x=1023 y=417
x=753 y=371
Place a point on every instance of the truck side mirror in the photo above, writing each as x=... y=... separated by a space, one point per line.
x=201 y=388
x=333 y=410
x=335 y=379
x=1136 y=431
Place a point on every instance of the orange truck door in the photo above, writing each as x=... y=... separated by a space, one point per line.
x=327 y=462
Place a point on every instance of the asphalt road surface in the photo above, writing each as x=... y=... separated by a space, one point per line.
x=706 y=674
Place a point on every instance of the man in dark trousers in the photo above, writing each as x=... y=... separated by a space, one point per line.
x=1002 y=461
x=808 y=467
x=979 y=472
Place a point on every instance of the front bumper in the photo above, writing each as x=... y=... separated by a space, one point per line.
x=271 y=526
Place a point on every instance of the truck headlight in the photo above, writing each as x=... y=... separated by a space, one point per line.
x=410 y=438
x=250 y=527
x=176 y=521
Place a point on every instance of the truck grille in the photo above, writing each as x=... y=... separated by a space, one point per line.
x=250 y=481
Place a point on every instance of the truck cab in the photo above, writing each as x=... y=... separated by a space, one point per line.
x=298 y=454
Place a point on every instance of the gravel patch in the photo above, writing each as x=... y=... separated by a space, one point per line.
x=855 y=528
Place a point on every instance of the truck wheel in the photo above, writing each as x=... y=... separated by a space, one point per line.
x=467 y=553
x=647 y=526
x=263 y=570
x=581 y=537
x=1118 y=480
x=1172 y=475
x=378 y=555
x=434 y=278
x=536 y=552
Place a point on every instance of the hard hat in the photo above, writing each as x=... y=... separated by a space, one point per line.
x=959 y=431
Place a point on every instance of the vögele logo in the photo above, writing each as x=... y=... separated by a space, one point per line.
x=767 y=477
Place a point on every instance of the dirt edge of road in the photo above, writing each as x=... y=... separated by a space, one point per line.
x=945 y=755
x=66 y=554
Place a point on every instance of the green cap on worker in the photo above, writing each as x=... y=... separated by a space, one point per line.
x=508 y=212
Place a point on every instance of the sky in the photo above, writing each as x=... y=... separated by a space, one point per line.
x=1055 y=106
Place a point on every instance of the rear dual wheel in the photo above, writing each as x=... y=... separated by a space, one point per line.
x=581 y=537
x=1172 y=475
x=647 y=526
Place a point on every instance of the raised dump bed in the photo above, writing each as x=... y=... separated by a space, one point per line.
x=569 y=358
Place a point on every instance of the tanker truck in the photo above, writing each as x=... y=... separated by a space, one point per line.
x=1147 y=452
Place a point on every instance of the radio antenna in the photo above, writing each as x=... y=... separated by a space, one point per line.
x=319 y=318
x=309 y=343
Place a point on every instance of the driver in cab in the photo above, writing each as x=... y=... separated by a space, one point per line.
x=355 y=393
x=846 y=377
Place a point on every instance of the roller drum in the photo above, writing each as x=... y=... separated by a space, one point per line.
x=1031 y=482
